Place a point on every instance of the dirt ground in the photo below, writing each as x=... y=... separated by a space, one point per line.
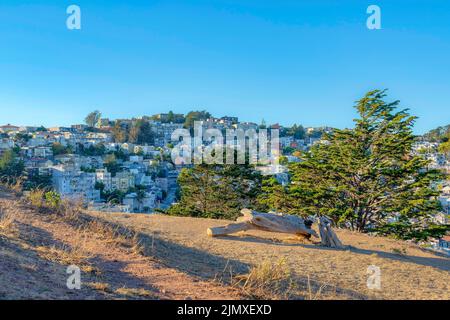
x=176 y=259
x=407 y=271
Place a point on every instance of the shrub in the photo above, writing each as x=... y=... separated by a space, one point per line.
x=52 y=199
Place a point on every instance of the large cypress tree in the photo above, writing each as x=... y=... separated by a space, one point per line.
x=366 y=178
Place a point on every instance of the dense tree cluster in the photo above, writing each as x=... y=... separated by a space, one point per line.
x=364 y=178
x=139 y=132
x=440 y=134
x=217 y=191
x=59 y=149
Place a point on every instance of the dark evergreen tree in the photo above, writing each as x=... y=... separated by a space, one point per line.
x=366 y=178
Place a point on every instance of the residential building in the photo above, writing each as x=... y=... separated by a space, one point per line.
x=75 y=184
x=8 y=128
x=123 y=181
x=103 y=176
x=144 y=204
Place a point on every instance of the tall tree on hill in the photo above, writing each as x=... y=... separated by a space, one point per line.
x=366 y=178
x=298 y=131
x=93 y=118
x=119 y=134
x=193 y=116
x=141 y=133
x=170 y=116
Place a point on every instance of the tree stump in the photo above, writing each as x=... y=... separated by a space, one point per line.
x=327 y=236
x=272 y=222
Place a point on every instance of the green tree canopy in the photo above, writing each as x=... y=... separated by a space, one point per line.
x=445 y=148
x=440 y=134
x=297 y=131
x=92 y=118
x=193 y=116
x=111 y=164
x=59 y=149
x=119 y=133
x=216 y=191
x=366 y=178
x=11 y=167
x=141 y=133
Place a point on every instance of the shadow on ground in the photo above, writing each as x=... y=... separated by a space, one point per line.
x=439 y=262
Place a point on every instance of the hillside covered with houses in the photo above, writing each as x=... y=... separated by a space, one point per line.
x=125 y=165
x=114 y=167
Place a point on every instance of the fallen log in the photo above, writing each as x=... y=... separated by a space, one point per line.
x=273 y=222
x=327 y=236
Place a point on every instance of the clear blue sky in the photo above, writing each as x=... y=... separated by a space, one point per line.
x=287 y=61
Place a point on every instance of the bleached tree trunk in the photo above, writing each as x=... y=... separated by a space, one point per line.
x=283 y=223
x=327 y=235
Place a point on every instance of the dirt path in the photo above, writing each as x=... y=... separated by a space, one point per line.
x=407 y=272
x=33 y=265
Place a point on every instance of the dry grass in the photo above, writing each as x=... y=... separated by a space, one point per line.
x=137 y=245
x=53 y=238
x=7 y=220
x=71 y=211
x=36 y=198
x=314 y=292
x=110 y=234
x=182 y=243
x=99 y=286
x=268 y=280
x=399 y=251
x=15 y=186
x=76 y=254
x=407 y=273
x=133 y=292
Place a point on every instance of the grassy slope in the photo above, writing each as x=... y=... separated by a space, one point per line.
x=407 y=272
x=36 y=247
x=172 y=258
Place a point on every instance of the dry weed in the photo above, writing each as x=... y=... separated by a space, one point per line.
x=132 y=292
x=268 y=280
x=6 y=220
x=100 y=286
x=78 y=253
x=36 y=198
x=15 y=185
